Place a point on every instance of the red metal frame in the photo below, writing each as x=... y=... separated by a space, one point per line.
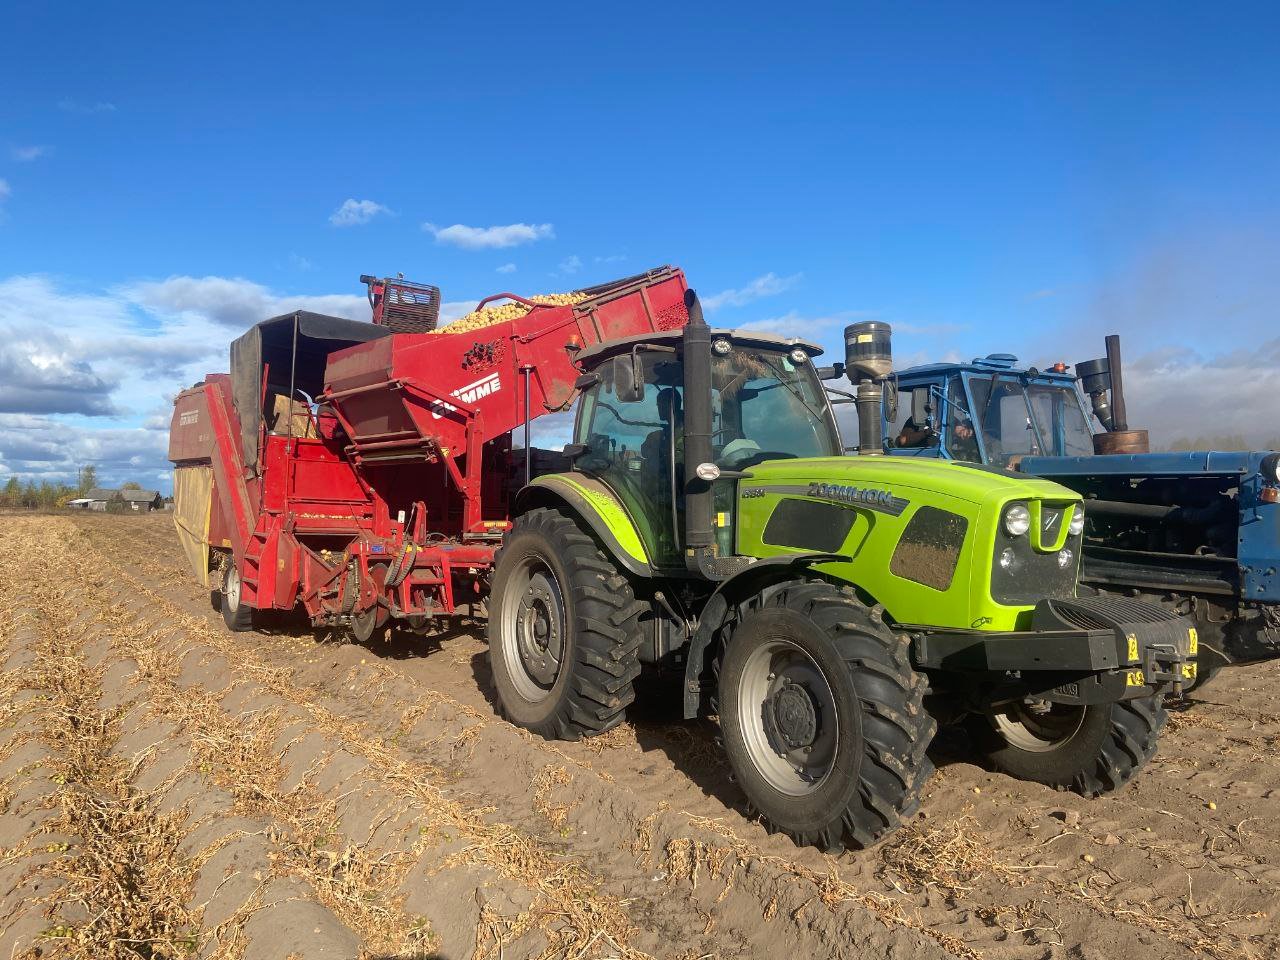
x=385 y=514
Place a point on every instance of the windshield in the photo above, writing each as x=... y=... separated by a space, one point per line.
x=764 y=407
x=1016 y=421
x=1060 y=421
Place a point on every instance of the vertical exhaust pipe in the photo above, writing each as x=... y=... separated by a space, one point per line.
x=699 y=535
x=1120 y=419
x=868 y=361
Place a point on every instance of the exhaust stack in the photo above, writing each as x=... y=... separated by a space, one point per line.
x=868 y=362
x=1097 y=377
x=699 y=535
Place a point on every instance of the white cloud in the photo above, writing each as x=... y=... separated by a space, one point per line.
x=75 y=106
x=571 y=264
x=27 y=154
x=45 y=448
x=793 y=324
x=1182 y=393
x=356 y=213
x=612 y=258
x=300 y=262
x=235 y=302
x=5 y=192
x=507 y=268
x=766 y=286
x=490 y=238
x=119 y=357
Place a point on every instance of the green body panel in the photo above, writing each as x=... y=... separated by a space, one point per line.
x=874 y=488
x=601 y=508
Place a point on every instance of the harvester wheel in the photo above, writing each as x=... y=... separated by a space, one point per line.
x=563 y=630
x=1091 y=749
x=237 y=615
x=823 y=717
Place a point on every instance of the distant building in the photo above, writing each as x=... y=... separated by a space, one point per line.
x=140 y=501
x=143 y=500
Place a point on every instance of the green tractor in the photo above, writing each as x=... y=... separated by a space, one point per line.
x=830 y=610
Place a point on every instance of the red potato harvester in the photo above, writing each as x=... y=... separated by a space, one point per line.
x=364 y=470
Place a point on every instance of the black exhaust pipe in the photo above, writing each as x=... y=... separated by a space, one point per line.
x=1095 y=378
x=699 y=535
x=1118 y=416
x=868 y=361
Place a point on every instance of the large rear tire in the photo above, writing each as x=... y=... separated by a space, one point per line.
x=823 y=717
x=1091 y=750
x=237 y=615
x=563 y=630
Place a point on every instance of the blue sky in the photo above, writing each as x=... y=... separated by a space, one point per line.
x=986 y=177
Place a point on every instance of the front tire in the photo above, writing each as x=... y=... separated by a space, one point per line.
x=1091 y=750
x=823 y=718
x=564 y=632
x=237 y=615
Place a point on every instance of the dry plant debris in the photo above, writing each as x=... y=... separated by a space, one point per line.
x=951 y=856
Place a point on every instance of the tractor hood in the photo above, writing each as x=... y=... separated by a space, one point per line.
x=1177 y=464
x=964 y=481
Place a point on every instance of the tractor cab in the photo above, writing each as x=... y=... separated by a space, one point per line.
x=988 y=411
x=766 y=404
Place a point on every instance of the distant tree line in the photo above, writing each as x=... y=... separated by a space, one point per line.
x=17 y=495
x=1228 y=441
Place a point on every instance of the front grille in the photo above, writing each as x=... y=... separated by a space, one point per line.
x=1118 y=610
x=1082 y=619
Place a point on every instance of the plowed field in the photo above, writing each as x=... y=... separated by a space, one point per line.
x=171 y=789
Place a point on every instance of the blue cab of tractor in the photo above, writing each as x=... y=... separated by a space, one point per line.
x=1198 y=530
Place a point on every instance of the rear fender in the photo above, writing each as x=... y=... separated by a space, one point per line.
x=599 y=508
x=728 y=594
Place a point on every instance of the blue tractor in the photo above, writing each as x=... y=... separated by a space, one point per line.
x=1199 y=531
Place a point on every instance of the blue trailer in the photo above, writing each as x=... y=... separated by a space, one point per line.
x=1200 y=531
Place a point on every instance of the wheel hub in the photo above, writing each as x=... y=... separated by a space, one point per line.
x=794 y=715
x=539 y=630
x=788 y=716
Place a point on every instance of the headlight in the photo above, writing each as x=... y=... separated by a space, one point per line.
x=721 y=346
x=707 y=471
x=798 y=356
x=1077 y=521
x=1270 y=468
x=1064 y=558
x=1017 y=520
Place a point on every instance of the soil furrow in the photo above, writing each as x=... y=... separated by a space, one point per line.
x=1185 y=862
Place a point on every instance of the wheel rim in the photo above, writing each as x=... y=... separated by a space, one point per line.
x=232 y=591
x=532 y=629
x=1032 y=727
x=787 y=714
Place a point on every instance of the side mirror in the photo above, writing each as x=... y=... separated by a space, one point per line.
x=628 y=379
x=921 y=409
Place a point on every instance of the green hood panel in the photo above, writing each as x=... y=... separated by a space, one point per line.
x=922 y=536
x=976 y=484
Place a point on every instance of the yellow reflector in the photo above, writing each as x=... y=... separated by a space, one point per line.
x=1135 y=678
x=1189 y=671
x=1195 y=641
x=1133 y=647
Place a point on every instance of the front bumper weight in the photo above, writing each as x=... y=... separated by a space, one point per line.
x=1124 y=648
